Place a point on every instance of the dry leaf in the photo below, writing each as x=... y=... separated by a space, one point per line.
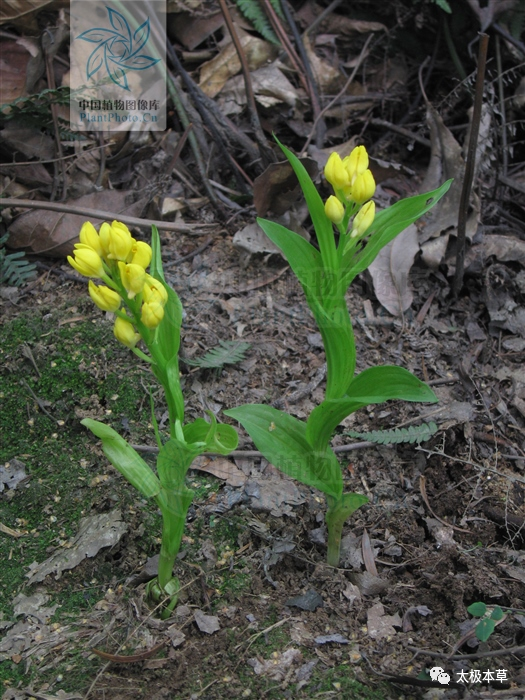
x=390 y=270
x=191 y=31
x=221 y=468
x=206 y=623
x=50 y=232
x=381 y=626
x=277 y=188
x=94 y=533
x=326 y=76
x=215 y=73
x=270 y=87
x=446 y=161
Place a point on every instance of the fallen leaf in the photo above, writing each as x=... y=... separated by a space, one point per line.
x=215 y=73
x=381 y=626
x=331 y=639
x=40 y=231
x=34 y=606
x=206 y=623
x=11 y=474
x=278 y=665
x=220 y=468
x=277 y=188
x=94 y=533
x=270 y=87
x=309 y=601
x=390 y=269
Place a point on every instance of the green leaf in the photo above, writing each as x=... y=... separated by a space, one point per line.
x=477 y=609
x=484 y=629
x=228 y=352
x=167 y=336
x=282 y=440
x=253 y=11
x=373 y=385
x=217 y=437
x=414 y=433
x=173 y=461
x=322 y=224
x=388 y=223
x=303 y=258
x=497 y=613
x=125 y=459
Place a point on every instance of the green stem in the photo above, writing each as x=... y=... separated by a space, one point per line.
x=339 y=510
x=173 y=521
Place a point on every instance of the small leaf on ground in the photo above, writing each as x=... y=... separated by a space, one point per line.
x=94 y=533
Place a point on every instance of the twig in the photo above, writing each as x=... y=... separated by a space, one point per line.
x=105 y=215
x=404 y=132
x=314 y=92
x=339 y=94
x=470 y=165
x=265 y=150
x=191 y=255
x=460 y=657
x=502 y=111
x=423 y=491
x=317 y=21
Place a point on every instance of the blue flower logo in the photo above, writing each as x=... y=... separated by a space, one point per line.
x=118 y=49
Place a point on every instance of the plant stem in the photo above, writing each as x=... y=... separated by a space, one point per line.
x=173 y=521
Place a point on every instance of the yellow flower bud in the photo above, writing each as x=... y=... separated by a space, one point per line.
x=120 y=242
x=125 y=333
x=132 y=277
x=363 y=220
x=363 y=187
x=152 y=314
x=141 y=253
x=86 y=261
x=104 y=297
x=334 y=210
x=356 y=163
x=104 y=234
x=89 y=236
x=335 y=172
x=154 y=291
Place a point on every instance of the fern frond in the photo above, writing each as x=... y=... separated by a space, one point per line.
x=253 y=12
x=415 y=433
x=15 y=270
x=226 y=353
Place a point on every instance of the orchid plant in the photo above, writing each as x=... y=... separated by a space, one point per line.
x=301 y=449
x=148 y=310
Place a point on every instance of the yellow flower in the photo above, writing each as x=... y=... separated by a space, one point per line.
x=104 y=235
x=141 y=253
x=334 y=210
x=363 y=220
x=89 y=236
x=132 y=277
x=356 y=163
x=120 y=242
x=104 y=297
x=154 y=291
x=152 y=314
x=125 y=333
x=86 y=261
x=335 y=172
x=363 y=187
